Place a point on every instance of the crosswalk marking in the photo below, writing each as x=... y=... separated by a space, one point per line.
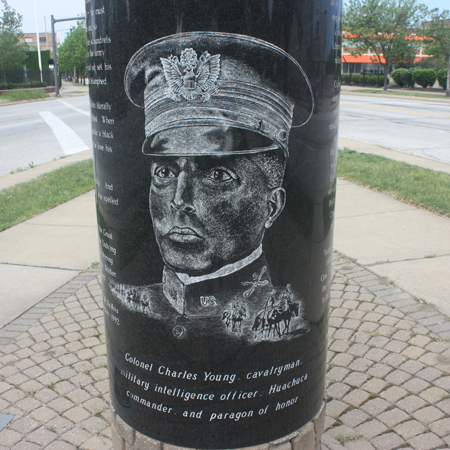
x=86 y=113
x=70 y=142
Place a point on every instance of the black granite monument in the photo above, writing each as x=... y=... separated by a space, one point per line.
x=215 y=141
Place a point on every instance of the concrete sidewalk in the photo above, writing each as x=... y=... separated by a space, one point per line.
x=389 y=328
x=407 y=245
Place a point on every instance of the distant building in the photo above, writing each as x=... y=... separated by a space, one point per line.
x=369 y=62
x=45 y=40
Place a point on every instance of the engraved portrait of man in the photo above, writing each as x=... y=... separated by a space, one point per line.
x=218 y=116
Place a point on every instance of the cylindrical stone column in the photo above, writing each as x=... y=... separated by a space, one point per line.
x=214 y=130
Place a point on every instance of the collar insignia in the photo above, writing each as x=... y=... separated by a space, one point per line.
x=191 y=78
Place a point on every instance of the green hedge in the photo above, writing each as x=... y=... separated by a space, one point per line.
x=370 y=80
x=7 y=86
x=355 y=78
x=424 y=77
x=403 y=77
x=442 y=78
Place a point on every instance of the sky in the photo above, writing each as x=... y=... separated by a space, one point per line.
x=62 y=9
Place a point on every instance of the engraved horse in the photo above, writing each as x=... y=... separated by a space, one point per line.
x=260 y=323
x=277 y=317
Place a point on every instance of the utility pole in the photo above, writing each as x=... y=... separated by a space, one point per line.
x=55 y=60
x=38 y=43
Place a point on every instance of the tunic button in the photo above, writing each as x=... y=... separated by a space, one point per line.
x=179 y=331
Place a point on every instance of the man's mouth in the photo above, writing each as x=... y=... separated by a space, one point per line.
x=184 y=235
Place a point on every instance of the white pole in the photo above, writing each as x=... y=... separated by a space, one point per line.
x=46 y=35
x=38 y=42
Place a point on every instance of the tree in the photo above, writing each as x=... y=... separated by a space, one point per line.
x=12 y=52
x=405 y=52
x=72 y=54
x=382 y=27
x=438 y=44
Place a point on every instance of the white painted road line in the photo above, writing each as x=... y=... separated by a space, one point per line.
x=70 y=142
x=75 y=108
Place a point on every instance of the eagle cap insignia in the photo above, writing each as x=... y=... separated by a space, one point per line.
x=190 y=77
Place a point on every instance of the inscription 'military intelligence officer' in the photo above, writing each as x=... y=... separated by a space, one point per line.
x=217 y=130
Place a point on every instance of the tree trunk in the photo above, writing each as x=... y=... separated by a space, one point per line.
x=386 y=71
x=447 y=89
x=74 y=74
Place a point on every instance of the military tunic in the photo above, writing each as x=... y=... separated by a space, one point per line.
x=241 y=305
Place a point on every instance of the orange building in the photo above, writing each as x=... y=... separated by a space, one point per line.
x=369 y=62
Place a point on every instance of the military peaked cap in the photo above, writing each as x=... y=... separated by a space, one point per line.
x=208 y=79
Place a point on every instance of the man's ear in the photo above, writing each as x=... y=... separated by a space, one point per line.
x=276 y=202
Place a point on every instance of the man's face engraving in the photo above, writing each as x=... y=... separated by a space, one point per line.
x=210 y=211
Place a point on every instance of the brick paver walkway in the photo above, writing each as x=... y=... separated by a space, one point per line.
x=389 y=367
x=388 y=376
x=53 y=376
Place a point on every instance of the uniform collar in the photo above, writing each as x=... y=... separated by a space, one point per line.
x=223 y=271
x=207 y=294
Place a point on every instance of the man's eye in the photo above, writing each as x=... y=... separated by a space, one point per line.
x=163 y=172
x=219 y=176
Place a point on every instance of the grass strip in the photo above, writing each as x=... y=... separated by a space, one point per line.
x=421 y=187
x=404 y=94
x=14 y=96
x=26 y=200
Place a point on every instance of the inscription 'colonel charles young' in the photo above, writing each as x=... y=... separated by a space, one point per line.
x=218 y=112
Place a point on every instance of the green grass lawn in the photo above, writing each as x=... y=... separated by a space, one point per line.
x=22 y=95
x=26 y=200
x=425 y=188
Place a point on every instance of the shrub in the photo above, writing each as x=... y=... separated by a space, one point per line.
x=372 y=80
x=424 y=77
x=369 y=79
x=345 y=78
x=442 y=78
x=356 y=79
x=34 y=84
x=402 y=77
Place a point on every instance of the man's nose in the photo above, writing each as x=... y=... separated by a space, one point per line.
x=183 y=198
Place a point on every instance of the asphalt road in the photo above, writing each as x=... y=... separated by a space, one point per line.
x=421 y=128
x=38 y=132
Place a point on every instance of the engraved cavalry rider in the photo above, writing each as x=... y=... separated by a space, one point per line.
x=218 y=110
